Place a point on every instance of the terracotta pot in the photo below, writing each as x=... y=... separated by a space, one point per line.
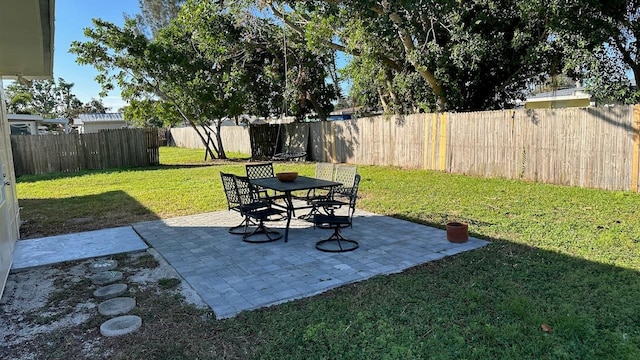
x=457 y=232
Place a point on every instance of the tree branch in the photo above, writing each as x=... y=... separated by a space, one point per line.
x=409 y=47
x=385 y=60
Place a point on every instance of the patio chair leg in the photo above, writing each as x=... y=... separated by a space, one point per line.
x=271 y=235
x=242 y=228
x=339 y=242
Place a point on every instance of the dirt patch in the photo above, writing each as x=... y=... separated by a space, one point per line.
x=41 y=303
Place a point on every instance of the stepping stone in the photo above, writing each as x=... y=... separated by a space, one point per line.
x=106 y=277
x=116 y=306
x=103 y=265
x=110 y=291
x=121 y=325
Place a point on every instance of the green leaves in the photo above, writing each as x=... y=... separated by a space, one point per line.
x=48 y=98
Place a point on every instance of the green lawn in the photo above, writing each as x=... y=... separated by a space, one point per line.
x=561 y=256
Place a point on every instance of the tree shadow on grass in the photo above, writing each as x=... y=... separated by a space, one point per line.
x=504 y=301
x=46 y=217
x=440 y=220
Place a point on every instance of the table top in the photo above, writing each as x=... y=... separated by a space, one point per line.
x=300 y=183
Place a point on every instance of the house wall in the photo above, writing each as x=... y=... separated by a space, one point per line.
x=91 y=127
x=9 y=210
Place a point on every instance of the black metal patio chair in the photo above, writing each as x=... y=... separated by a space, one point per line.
x=233 y=203
x=339 y=195
x=259 y=211
x=263 y=171
x=324 y=171
x=336 y=242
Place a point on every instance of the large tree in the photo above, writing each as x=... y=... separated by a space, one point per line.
x=208 y=64
x=154 y=113
x=156 y=14
x=467 y=55
x=604 y=49
x=48 y=98
x=470 y=54
x=286 y=77
x=203 y=88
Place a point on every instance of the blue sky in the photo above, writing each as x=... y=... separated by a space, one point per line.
x=71 y=17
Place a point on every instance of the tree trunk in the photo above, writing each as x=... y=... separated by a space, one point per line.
x=392 y=93
x=316 y=107
x=221 y=153
x=383 y=102
x=204 y=141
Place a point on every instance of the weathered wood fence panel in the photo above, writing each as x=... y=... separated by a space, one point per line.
x=294 y=138
x=578 y=147
x=234 y=138
x=74 y=152
x=587 y=147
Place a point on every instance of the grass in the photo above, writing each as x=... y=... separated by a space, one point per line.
x=561 y=256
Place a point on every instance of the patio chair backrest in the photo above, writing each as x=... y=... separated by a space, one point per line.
x=325 y=171
x=346 y=175
x=230 y=191
x=353 y=195
x=245 y=193
x=260 y=171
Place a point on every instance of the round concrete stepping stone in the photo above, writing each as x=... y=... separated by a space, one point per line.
x=116 y=306
x=110 y=291
x=103 y=265
x=121 y=325
x=106 y=277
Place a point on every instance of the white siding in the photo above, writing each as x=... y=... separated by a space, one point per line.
x=9 y=216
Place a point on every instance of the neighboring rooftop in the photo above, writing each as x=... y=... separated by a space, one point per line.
x=101 y=117
x=576 y=92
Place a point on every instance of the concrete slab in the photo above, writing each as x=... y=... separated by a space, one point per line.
x=234 y=276
x=85 y=245
x=110 y=291
x=121 y=325
x=103 y=265
x=116 y=306
x=106 y=277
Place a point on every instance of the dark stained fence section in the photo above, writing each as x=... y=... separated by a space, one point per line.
x=264 y=141
x=43 y=154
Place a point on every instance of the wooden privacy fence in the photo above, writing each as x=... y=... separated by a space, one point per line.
x=281 y=140
x=586 y=147
x=74 y=152
x=234 y=138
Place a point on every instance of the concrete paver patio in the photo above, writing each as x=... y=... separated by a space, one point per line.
x=67 y=247
x=232 y=276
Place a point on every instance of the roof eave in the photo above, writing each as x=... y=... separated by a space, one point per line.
x=27 y=39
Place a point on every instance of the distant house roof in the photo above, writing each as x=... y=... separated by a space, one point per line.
x=94 y=118
x=23 y=117
x=55 y=121
x=570 y=93
x=346 y=111
x=560 y=95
